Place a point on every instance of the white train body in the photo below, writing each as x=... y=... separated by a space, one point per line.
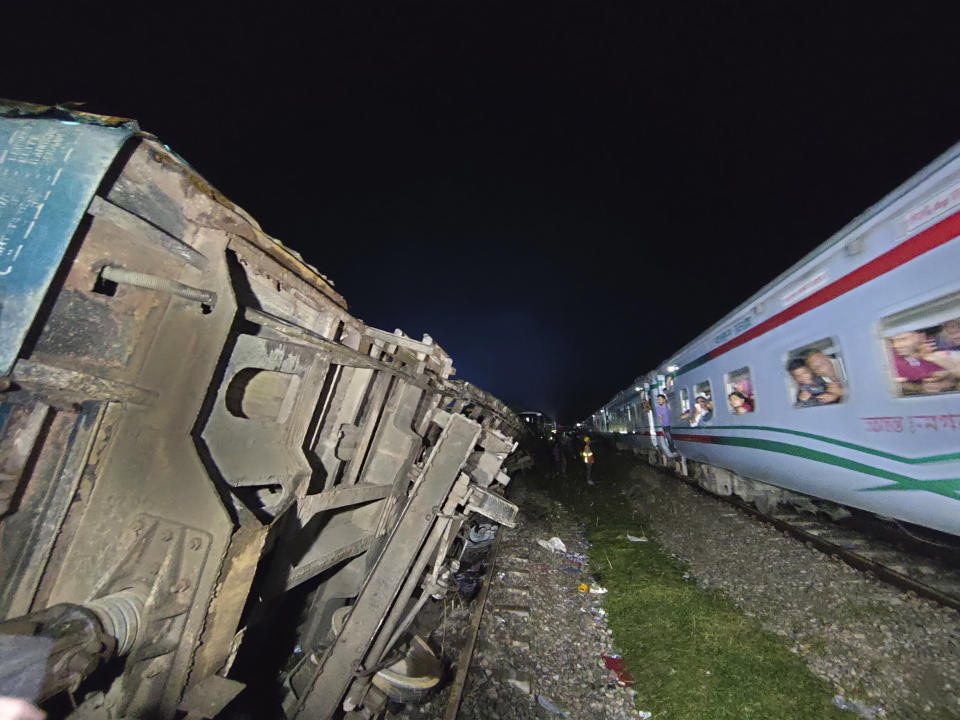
x=881 y=301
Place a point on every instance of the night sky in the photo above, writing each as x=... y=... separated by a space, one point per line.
x=560 y=193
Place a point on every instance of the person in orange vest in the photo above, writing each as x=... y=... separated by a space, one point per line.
x=587 y=455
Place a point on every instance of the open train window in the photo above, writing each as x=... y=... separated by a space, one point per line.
x=923 y=347
x=816 y=375
x=684 y=400
x=738 y=386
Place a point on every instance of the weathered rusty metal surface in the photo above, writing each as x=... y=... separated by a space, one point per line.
x=49 y=170
x=214 y=464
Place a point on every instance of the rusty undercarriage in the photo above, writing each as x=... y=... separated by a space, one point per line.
x=196 y=436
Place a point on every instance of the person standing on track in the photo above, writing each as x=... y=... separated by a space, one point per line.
x=587 y=455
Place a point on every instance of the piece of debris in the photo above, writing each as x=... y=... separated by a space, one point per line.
x=555 y=544
x=597 y=589
x=583 y=588
x=633 y=538
x=644 y=715
x=482 y=534
x=871 y=712
x=467 y=583
x=545 y=703
x=615 y=664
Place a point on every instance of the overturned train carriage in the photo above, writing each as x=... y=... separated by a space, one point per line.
x=201 y=448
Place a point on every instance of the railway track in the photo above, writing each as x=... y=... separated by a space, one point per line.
x=466 y=654
x=926 y=575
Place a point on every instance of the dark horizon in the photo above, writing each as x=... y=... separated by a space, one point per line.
x=561 y=195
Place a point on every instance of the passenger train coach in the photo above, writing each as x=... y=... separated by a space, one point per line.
x=838 y=381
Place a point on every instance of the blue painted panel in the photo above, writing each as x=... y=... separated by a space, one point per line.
x=49 y=171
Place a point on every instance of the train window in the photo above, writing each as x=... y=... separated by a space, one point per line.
x=816 y=375
x=739 y=389
x=923 y=347
x=684 y=400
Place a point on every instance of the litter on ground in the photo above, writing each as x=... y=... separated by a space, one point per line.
x=615 y=665
x=555 y=544
x=545 y=703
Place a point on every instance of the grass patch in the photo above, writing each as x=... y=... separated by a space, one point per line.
x=693 y=653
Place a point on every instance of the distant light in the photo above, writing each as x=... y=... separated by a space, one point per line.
x=623 y=432
x=637 y=389
x=672 y=368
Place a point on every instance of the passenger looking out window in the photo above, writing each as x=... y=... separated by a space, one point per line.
x=823 y=367
x=740 y=404
x=702 y=411
x=920 y=367
x=740 y=392
x=817 y=376
x=704 y=405
x=922 y=344
x=811 y=389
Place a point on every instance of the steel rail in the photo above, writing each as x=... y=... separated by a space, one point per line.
x=466 y=654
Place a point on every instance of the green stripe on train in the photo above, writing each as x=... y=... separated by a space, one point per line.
x=842 y=443
x=947 y=487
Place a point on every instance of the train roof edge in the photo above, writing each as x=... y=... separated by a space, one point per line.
x=836 y=238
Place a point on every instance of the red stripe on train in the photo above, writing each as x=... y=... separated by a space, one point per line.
x=933 y=237
x=694 y=438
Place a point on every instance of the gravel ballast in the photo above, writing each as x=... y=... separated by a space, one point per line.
x=540 y=642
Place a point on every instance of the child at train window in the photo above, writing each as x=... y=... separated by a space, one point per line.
x=740 y=404
x=811 y=390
